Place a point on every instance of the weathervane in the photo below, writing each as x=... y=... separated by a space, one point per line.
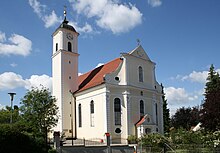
x=138 y=42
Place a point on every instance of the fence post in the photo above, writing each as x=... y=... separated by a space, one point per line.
x=108 y=143
x=84 y=141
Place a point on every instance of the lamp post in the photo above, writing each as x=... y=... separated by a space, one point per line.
x=12 y=94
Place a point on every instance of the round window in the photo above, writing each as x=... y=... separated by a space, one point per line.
x=117 y=78
x=118 y=130
x=147 y=130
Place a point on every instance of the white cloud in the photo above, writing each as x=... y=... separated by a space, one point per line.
x=109 y=14
x=120 y=18
x=100 y=64
x=178 y=96
x=39 y=9
x=1 y=106
x=2 y=37
x=51 y=19
x=80 y=74
x=17 y=45
x=13 y=64
x=11 y=80
x=154 y=3
x=87 y=28
x=199 y=77
x=90 y=8
x=38 y=81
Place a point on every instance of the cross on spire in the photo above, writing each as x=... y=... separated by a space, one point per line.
x=138 y=42
x=64 y=14
x=64 y=11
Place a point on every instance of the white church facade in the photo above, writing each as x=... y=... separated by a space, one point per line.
x=121 y=97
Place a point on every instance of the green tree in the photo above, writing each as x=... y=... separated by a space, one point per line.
x=185 y=118
x=5 y=114
x=181 y=118
x=194 y=116
x=39 y=111
x=210 y=118
x=166 y=112
x=13 y=138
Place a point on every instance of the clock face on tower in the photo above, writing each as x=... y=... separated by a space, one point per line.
x=69 y=36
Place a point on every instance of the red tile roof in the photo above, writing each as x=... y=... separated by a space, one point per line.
x=142 y=120
x=96 y=76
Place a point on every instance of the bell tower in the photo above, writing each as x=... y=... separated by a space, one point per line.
x=65 y=74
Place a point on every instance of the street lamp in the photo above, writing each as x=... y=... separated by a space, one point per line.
x=12 y=94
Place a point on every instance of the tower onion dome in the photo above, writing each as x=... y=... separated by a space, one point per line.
x=65 y=24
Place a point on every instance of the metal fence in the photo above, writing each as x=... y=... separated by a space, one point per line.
x=178 y=148
x=85 y=142
x=93 y=142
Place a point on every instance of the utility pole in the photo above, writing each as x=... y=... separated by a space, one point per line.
x=12 y=94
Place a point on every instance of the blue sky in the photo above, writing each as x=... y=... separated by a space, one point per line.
x=181 y=36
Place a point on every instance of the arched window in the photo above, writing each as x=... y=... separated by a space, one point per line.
x=92 y=107
x=69 y=46
x=141 y=108
x=92 y=113
x=156 y=113
x=56 y=46
x=80 y=115
x=140 y=74
x=117 y=111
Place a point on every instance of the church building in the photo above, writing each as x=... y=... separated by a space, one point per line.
x=121 y=97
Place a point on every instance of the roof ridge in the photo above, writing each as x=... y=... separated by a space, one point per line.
x=100 y=66
x=96 y=76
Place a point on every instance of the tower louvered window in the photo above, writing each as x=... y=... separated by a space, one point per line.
x=56 y=46
x=140 y=73
x=69 y=46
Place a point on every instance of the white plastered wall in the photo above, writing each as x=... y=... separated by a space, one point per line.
x=98 y=96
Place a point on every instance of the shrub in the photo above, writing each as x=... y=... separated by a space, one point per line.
x=12 y=140
x=132 y=139
x=182 y=136
x=154 y=139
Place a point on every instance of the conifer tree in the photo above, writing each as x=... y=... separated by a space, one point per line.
x=210 y=117
x=166 y=112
